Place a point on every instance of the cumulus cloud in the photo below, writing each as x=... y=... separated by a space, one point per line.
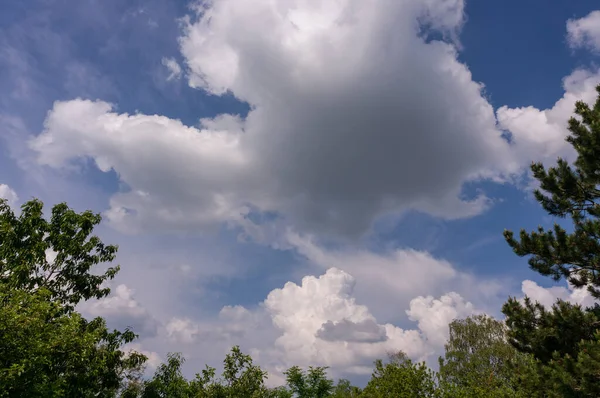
x=173 y=68
x=121 y=310
x=434 y=315
x=301 y=311
x=540 y=134
x=585 y=32
x=321 y=322
x=9 y=194
x=548 y=296
x=354 y=113
x=182 y=330
x=392 y=278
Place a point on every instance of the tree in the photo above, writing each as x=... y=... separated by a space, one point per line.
x=47 y=353
x=480 y=361
x=401 y=378
x=311 y=384
x=168 y=381
x=26 y=239
x=344 y=389
x=46 y=348
x=565 y=339
x=240 y=378
x=567 y=191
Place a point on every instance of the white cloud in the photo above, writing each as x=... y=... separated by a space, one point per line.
x=392 y=278
x=121 y=310
x=9 y=194
x=198 y=168
x=354 y=114
x=173 y=68
x=540 y=134
x=182 y=329
x=585 y=32
x=434 y=315
x=548 y=296
x=322 y=323
x=301 y=311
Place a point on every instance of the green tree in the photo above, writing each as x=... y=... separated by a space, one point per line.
x=240 y=378
x=565 y=339
x=344 y=389
x=401 y=378
x=311 y=384
x=277 y=392
x=569 y=192
x=168 y=380
x=480 y=361
x=47 y=353
x=46 y=348
x=25 y=240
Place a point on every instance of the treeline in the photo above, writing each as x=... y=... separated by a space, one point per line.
x=479 y=361
x=47 y=349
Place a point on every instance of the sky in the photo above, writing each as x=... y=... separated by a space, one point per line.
x=321 y=183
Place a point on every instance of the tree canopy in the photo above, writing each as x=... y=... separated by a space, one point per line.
x=46 y=348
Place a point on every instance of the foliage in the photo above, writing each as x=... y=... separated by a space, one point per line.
x=564 y=340
x=400 y=377
x=46 y=353
x=572 y=192
x=168 y=381
x=480 y=360
x=46 y=348
x=25 y=240
x=541 y=332
x=344 y=389
x=311 y=384
x=240 y=378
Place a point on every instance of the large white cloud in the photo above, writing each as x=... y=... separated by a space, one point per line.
x=178 y=175
x=585 y=32
x=354 y=113
x=320 y=322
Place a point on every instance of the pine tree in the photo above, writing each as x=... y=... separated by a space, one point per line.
x=569 y=192
x=566 y=339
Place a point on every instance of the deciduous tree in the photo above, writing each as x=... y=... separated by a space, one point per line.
x=46 y=348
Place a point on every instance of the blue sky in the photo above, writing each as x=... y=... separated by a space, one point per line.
x=356 y=148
